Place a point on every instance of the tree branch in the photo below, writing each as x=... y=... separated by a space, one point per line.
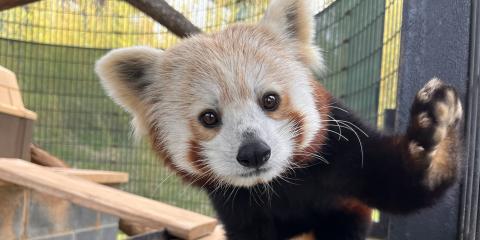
x=163 y=13
x=43 y=158
x=7 y=4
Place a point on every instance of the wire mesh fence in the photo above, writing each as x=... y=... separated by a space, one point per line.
x=52 y=46
x=361 y=42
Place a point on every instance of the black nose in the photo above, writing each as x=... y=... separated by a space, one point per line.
x=253 y=154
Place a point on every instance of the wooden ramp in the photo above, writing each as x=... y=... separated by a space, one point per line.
x=178 y=222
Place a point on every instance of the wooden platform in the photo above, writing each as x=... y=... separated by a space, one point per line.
x=178 y=222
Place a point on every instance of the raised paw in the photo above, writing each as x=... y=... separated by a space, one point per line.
x=435 y=112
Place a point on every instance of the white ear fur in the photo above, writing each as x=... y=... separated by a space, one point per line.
x=126 y=74
x=293 y=20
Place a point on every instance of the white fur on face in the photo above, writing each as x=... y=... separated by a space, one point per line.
x=239 y=118
x=234 y=92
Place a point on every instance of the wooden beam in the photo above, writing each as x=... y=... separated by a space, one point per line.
x=219 y=234
x=44 y=158
x=134 y=229
x=96 y=176
x=178 y=222
x=7 y=4
x=166 y=15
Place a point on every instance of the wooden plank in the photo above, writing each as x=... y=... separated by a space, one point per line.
x=217 y=234
x=7 y=4
x=135 y=229
x=100 y=177
x=179 y=222
x=5 y=184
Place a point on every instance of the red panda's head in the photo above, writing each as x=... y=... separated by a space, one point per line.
x=240 y=106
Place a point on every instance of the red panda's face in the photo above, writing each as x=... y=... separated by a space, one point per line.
x=237 y=107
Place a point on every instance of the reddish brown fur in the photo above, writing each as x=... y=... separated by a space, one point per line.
x=195 y=157
x=305 y=236
x=286 y=111
x=299 y=123
x=356 y=207
x=159 y=149
x=200 y=133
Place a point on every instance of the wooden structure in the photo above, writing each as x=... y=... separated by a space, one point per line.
x=16 y=122
x=96 y=176
x=60 y=184
x=178 y=222
x=28 y=214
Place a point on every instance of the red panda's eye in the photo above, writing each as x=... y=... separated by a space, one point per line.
x=209 y=119
x=270 y=101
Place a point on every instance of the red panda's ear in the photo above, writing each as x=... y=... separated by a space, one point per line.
x=290 y=18
x=294 y=20
x=126 y=75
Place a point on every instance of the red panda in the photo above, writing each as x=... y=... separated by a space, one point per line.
x=241 y=114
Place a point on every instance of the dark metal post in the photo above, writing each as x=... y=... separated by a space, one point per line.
x=435 y=42
x=469 y=212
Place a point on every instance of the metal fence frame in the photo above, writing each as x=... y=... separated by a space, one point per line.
x=470 y=209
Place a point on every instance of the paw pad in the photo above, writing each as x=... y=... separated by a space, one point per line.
x=436 y=109
x=439 y=102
